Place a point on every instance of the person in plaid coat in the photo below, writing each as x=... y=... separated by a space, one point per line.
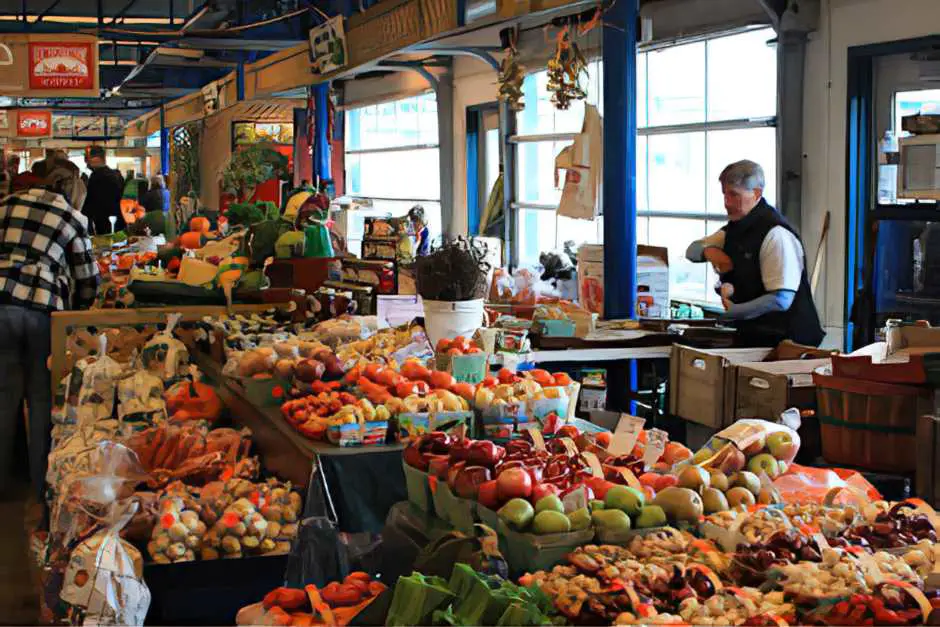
x=46 y=265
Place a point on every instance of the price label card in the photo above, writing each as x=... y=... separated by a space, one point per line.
x=656 y=440
x=575 y=500
x=625 y=434
x=594 y=464
x=537 y=440
x=469 y=368
x=742 y=433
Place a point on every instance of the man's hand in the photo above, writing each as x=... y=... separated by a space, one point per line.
x=727 y=291
x=719 y=260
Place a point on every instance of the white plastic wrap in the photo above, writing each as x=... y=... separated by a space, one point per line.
x=164 y=355
x=140 y=400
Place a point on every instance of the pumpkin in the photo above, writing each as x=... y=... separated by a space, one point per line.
x=192 y=240
x=193 y=400
x=200 y=224
x=126 y=262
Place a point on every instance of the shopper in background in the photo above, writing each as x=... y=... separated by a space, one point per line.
x=761 y=263
x=105 y=187
x=30 y=178
x=46 y=265
x=155 y=209
x=157 y=197
x=422 y=235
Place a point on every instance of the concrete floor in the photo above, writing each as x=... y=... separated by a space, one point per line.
x=19 y=600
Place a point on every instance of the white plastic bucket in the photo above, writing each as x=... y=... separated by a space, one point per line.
x=448 y=319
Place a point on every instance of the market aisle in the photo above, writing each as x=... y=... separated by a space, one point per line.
x=19 y=601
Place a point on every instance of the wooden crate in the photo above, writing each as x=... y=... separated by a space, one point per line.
x=927 y=481
x=765 y=390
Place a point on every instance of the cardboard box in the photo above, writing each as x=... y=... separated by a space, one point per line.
x=702 y=382
x=765 y=390
x=652 y=282
x=928 y=459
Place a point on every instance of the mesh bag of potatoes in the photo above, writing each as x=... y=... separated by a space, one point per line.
x=177 y=536
x=217 y=496
x=239 y=531
x=282 y=508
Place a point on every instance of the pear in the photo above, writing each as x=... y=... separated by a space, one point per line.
x=714 y=500
x=680 y=504
x=611 y=520
x=740 y=496
x=694 y=478
x=746 y=480
x=719 y=480
x=768 y=496
x=550 y=521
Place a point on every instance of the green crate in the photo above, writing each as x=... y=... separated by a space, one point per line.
x=488 y=517
x=265 y=392
x=527 y=552
x=442 y=498
x=462 y=514
x=419 y=490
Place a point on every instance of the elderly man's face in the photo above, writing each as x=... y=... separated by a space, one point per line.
x=740 y=201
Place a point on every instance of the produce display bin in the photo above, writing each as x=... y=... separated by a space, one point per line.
x=868 y=424
x=419 y=490
x=928 y=459
x=527 y=552
x=209 y=592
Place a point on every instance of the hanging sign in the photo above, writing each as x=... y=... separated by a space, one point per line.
x=34 y=123
x=390 y=26
x=63 y=126
x=328 y=45
x=61 y=66
x=88 y=126
x=4 y=120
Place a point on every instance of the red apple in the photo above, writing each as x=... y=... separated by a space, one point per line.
x=459 y=450
x=514 y=483
x=488 y=495
x=452 y=473
x=512 y=463
x=485 y=453
x=469 y=480
x=414 y=457
x=541 y=490
x=568 y=431
x=599 y=486
x=732 y=462
x=438 y=465
x=756 y=446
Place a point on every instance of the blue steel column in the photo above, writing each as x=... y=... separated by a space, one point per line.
x=619 y=189
x=321 y=144
x=164 y=144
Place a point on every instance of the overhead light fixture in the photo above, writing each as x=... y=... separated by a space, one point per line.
x=6 y=101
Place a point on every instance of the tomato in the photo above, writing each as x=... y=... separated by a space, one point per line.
x=441 y=380
x=455 y=351
x=442 y=345
x=562 y=378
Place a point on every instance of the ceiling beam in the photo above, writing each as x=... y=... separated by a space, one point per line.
x=231 y=43
x=48 y=9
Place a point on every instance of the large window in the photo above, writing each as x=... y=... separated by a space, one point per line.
x=700 y=106
x=392 y=157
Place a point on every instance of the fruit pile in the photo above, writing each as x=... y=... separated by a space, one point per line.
x=312 y=416
x=752 y=561
x=337 y=603
x=457 y=346
x=901 y=526
x=383 y=384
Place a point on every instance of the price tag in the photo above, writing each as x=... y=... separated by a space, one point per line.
x=656 y=440
x=625 y=435
x=469 y=368
x=594 y=464
x=742 y=433
x=537 y=440
x=570 y=446
x=630 y=478
x=575 y=500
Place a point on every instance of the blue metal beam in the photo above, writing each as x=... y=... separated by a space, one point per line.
x=321 y=145
x=164 y=143
x=619 y=185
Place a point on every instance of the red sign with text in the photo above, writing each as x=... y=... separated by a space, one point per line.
x=61 y=66
x=34 y=123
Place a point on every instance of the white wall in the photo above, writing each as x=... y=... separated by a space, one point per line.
x=844 y=23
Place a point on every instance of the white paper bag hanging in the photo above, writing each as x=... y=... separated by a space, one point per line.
x=582 y=164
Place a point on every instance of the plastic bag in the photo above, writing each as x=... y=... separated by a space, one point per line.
x=164 y=355
x=751 y=438
x=140 y=400
x=104 y=580
x=813 y=485
x=91 y=387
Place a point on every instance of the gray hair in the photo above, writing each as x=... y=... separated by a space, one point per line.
x=744 y=174
x=157 y=181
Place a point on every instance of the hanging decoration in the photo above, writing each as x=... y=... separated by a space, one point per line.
x=511 y=75
x=565 y=71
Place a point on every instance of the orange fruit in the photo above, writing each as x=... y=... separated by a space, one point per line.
x=562 y=378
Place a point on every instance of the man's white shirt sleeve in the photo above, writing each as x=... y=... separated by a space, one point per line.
x=781 y=260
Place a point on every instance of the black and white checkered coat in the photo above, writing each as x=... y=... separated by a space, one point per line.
x=45 y=253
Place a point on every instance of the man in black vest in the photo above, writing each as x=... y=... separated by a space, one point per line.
x=762 y=265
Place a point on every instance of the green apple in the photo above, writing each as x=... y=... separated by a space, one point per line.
x=580 y=519
x=627 y=500
x=782 y=446
x=549 y=502
x=651 y=516
x=766 y=463
x=550 y=521
x=596 y=505
x=517 y=513
x=611 y=520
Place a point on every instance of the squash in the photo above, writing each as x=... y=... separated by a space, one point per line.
x=196 y=272
x=193 y=400
x=229 y=277
x=200 y=224
x=192 y=240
